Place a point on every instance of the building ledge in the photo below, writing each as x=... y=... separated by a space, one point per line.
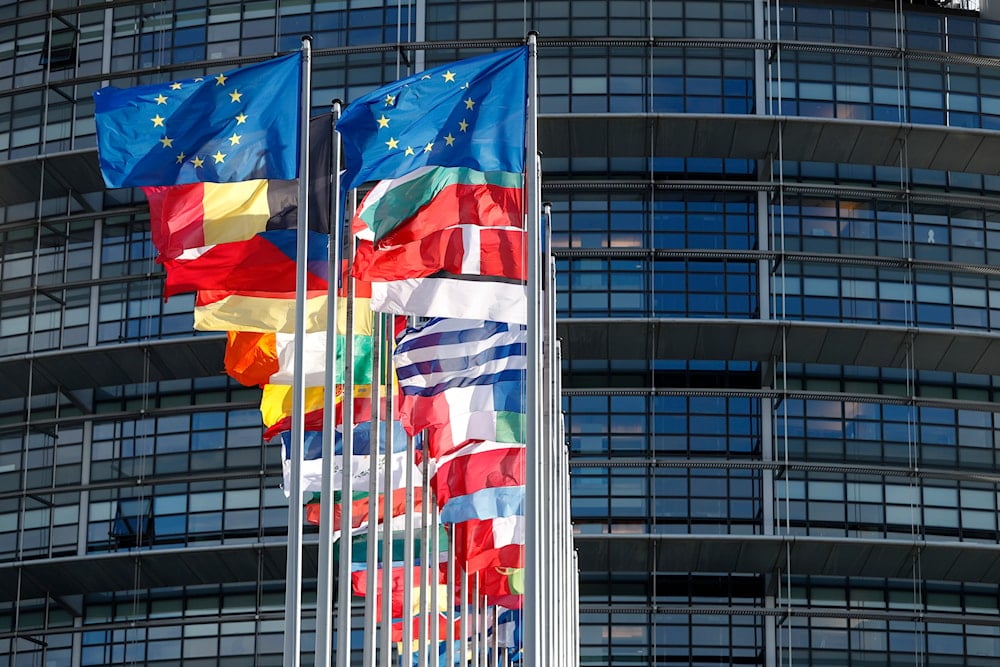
x=796 y=555
x=769 y=341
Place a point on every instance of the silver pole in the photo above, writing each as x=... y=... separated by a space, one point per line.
x=449 y=633
x=293 y=559
x=347 y=483
x=495 y=644
x=474 y=626
x=425 y=565
x=324 y=575
x=433 y=569
x=385 y=325
x=533 y=544
x=463 y=626
x=371 y=555
x=408 y=554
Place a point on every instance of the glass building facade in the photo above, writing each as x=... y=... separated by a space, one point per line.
x=776 y=233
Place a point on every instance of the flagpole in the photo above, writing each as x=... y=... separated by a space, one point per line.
x=388 y=491
x=449 y=632
x=371 y=556
x=532 y=542
x=293 y=558
x=434 y=569
x=475 y=620
x=495 y=644
x=324 y=575
x=408 y=554
x=347 y=483
x=425 y=556
x=547 y=463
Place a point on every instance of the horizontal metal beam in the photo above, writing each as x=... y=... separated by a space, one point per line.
x=112 y=365
x=795 y=555
x=767 y=341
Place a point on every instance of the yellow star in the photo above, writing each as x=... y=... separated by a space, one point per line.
x=383 y=122
x=390 y=100
x=425 y=76
x=242 y=118
x=220 y=157
x=197 y=162
x=462 y=125
x=221 y=80
x=392 y=143
x=469 y=103
x=449 y=140
x=161 y=99
x=235 y=139
x=157 y=120
x=409 y=151
x=175 y=86
x=428 y=147
x=167 y=142
x=199 y=78
x=449 y=76
x=180 y=157
x=235 y=95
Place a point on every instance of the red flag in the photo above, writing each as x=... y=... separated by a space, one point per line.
x=459 y=250
x=476 y=466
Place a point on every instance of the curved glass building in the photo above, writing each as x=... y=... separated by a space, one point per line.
x=777 y=239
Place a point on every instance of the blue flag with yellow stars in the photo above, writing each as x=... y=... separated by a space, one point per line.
x=470 y=113
x=234 y=126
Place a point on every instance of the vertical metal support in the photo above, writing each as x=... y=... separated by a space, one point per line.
x=344 y=614
x=534 y=545
x=371 y=555
x=324 y=574
x=293 y=565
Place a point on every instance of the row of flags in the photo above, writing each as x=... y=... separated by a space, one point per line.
x=438 y=244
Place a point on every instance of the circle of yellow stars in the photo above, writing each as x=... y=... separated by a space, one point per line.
x=462 y=127
x=198 y=161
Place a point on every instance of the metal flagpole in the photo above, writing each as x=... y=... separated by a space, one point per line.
x=449 y=632
x=371 y=556
x=463 y=626
x=495 y=644
x=293 y=558
x=484 y=643
x=425 y=556
x=324 y=575
x=346 y=461
x=532 y=542
x=389 y=487
x=433 y=569
x=408 y=554
x=474 y=626
x=548 y=463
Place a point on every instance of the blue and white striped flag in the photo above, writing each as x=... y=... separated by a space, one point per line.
x=462 y=379
x=446 y=353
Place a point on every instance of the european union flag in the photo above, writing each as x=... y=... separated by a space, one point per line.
x=470 y=113
x=234 y=126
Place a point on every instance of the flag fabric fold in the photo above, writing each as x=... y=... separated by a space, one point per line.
x=469 y=113
x=488 y=503
x=463 y=380
x=265 y=261
x=311 y=467
x=259 y=311
x=476 y=466
x=194 y=215
x=234 y=126
x=466 y=250
x=446 y=295
x=429 y=199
